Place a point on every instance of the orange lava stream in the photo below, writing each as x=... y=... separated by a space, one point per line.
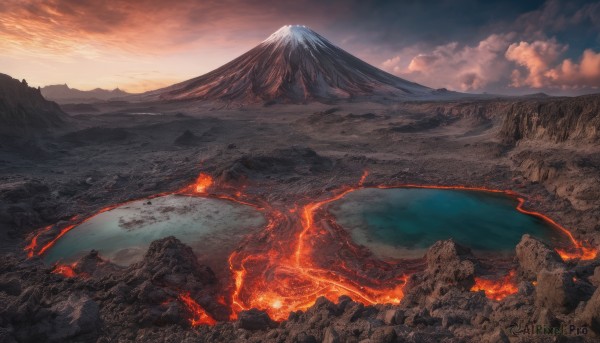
x=581 y=251
x=66 y=270
x=285 y=269
x=285 y=277
x=199 y=315
x=497 y=289
x=30 y=248
x=203 y=183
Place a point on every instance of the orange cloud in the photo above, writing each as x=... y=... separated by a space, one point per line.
x=455 y=66
x=536 y=57
x=67 y=26
x=539 y=60
x=572 y=75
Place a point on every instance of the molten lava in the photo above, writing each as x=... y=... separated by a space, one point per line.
x=497 y=289
x=66 y=270
x=199 y=316
x=203 y=182
x=580 y=250
x=303 y=254
x=30 y=248
x=287 y=272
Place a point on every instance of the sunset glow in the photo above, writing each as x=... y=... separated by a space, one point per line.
x=146 y=45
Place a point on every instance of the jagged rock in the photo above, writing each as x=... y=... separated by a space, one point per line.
x=174 y=263
x=331 y=336
x=303 y=337
x=92 y=264
x=383 y=335
x=187 y=138
x=10 y=286
x=547 y=318
x=421 y=317
x=296 y=159
x=23 y=108
x=449 y=266
x=591 y=313
x=595 y=279
x=450 y=262
x=498 y=336
x=555 y=120
x=254 y=319
x=555 y=290
x=534 y=256
x=75 y=316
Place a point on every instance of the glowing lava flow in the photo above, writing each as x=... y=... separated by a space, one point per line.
x=284 y=274
x=497 y=289
x=30 y=248
x=199 y=315
x=581 y=251
x=302 y=254
x=66 y=270
x=203 y=182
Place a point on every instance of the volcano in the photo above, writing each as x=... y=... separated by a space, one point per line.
x=294 y=64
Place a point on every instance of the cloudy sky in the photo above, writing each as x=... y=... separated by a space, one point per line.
x=509 y=47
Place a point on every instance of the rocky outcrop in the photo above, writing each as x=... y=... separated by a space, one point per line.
x=449 y=266
x=570 y=174
x=591 y=312
x=24 y=108
x=140 y=303
x=187 y=138
x=255 y=319
x=535 y=256
x=554 y=120
x=555 y=290
x=75 y=316
x=295 y=160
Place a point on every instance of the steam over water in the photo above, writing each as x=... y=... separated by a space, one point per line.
x=210 y=226
x=403 y=222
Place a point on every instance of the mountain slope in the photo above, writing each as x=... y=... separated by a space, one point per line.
x=23 y=107
x=294 y=64
x=62 y=94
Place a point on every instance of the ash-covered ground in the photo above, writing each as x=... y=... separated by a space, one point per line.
x=106 y=153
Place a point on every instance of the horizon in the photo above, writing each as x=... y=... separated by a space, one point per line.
x=547 y=47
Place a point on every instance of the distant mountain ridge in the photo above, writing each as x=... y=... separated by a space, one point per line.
x=23 y=107
x=294 y=64
x=63 y=93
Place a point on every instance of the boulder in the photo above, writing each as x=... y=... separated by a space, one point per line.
x=75 y=316
x=174 y=264
x=595 y=279
x=331 y=336
x=591 y=313
x=254 y=320
x=187 y=138
x=449 y=262
x=533 y=256
x=555 y=290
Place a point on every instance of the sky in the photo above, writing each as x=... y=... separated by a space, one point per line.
x=506 y=47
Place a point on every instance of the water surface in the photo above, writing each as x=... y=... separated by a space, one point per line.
x=404 y=222
x=210 y=226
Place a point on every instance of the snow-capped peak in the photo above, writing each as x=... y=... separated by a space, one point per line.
x=295 y=34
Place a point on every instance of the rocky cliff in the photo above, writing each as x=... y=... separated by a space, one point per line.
x=555 y=120
x=23 y=107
